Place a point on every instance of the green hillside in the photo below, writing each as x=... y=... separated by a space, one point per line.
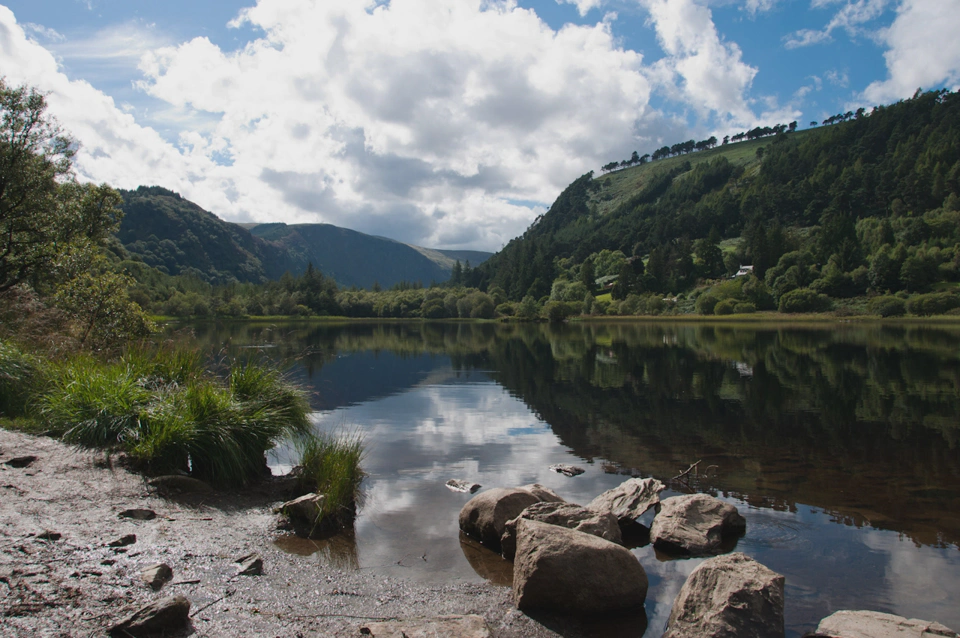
x=177 y=237
x=864 y=207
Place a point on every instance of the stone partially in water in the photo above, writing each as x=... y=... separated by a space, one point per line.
x=568 y=515
x=485 y=515
x=567 y=470
x=167 y=615
x=562 y=570
x=695 y=524
x=874 y=624
x=729 y=597
x=544 y=494
x=306 y=509
x=465 y=487
x=459 y=626
x=629 y=500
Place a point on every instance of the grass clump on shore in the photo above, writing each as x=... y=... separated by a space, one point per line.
x=330 y=465
x=168 y=413
x=22 y=375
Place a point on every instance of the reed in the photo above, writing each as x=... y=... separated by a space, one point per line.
x=330 y=465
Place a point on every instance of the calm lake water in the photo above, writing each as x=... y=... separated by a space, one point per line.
x=839 y=443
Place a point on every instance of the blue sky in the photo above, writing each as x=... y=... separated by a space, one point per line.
x=450 y=124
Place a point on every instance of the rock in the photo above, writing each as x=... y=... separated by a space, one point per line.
x=49 y=536
x=250 y=565
x=307 y=509
x=156 y=576
x=567 y=470
x=568 y=515
x=123 y=541
x=629 y=500
x=167 y=615
x=544 y=494
x=563 y=570
x=21 y=461
x=485 y=515
x=695 y=524
x=873 y=624
x=138 y=514
x=728 y=597
x=460 y=626
x=178 y=483
x=463 y=486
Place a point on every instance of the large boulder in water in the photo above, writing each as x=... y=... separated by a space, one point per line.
x=729 y=597
x=543 y=493
x=629 y=500
x=562 y=570
x=602 y=524
x=695 y=524
x=485 y=516
x=874 y=624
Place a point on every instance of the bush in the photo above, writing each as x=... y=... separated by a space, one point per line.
x=887 y=306
x=937 y=303
x=706 y=304
x=744 y=308
x=725 y=307
x=804 y=300
x=559 y=310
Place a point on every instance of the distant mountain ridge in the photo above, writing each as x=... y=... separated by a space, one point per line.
x=177 y=237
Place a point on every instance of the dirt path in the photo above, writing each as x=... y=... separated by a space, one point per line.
x=79 y=586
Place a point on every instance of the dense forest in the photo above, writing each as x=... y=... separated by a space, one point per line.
x=867 y=206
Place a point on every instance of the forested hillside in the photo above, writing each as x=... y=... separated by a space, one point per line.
x=868 y=206
x=177 y=237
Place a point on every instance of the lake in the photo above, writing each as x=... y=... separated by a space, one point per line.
x=837 y=442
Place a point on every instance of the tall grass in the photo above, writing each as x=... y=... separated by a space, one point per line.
x=168 y=413
x=330 y=465
x=22 y=375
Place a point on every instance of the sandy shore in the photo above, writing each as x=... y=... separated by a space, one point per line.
x=79 y=586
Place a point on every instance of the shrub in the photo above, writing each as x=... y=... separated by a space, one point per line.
x=706 y=304
x=804 y=300
x=725 y=307
x=887 y=306
x=937 y=303
x=744 y=308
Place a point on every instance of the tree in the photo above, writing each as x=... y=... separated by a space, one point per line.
x=587 y=274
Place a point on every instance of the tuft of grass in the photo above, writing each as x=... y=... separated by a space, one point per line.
x=21 y=377
x=330 y=465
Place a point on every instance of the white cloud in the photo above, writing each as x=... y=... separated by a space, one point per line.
x=700 y=68
x=753 y=7
x=43 y=33
x=924 y=51
x=583 y=6
x=851 y=18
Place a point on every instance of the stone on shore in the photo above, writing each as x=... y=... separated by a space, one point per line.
x=695 y=524
x=178 y=483
x=485 y=516
x=123 y=541
x=629 y=500
x=306 y=509
x=874 y=624
x=563 y=570
x=156 y=576
x=545 y=494
x=167 y=615
x=250 y=565
x=138 y=514
x=568 y=515
x=728 y=597
x=459 y=626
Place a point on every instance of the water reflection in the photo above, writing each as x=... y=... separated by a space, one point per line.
x=838 y=443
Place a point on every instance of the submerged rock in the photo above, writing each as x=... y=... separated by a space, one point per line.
x=874 y=624
x=466 y=487
x=567 y=470
x=485 y=515
x=156 y=576
x=167 y=615
x=729 y=597
x=629 y=500
x=138 y=514
x=460 y=626
x=563 y=570
x=695 y=524
x=568 y=515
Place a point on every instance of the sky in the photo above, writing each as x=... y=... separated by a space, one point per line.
x=443 y=123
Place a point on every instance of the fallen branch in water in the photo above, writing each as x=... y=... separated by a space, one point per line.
x=687 y=471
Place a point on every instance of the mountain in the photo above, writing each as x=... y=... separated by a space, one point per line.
x=871 y=203
x=176 y=236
